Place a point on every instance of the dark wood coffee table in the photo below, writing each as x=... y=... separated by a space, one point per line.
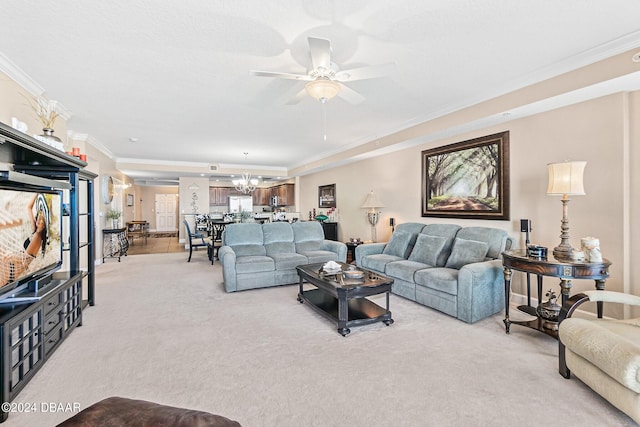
x=344 y=300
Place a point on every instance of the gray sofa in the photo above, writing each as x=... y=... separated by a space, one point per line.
x=262 y=255
x=452 y=269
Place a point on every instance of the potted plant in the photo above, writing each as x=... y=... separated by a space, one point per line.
x=45 y=109
x=114 y=216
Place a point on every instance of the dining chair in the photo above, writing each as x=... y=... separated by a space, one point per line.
x=217 y=228
x=198 y=240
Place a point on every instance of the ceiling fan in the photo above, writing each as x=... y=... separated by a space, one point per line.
x=326 y=80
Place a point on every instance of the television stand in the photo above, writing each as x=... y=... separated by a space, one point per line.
x=30 y=331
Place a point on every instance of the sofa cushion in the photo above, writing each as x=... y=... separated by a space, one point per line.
x=280 y=248
x=288 y=261
x=318 y=256
x=399 y=244
x=440 y=279
x=304 y=231
x=277 y=232
x=278 y=238
x=448 y=231
x=249 y=250
x=254 y=264
x=378 y=261
x=427 y=249
x=311 y=245
x=243 y=234
x=404 y=269
x=495 y=238
x=466 y=252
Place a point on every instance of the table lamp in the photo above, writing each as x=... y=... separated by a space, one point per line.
x=565 y=179
x=371 y=203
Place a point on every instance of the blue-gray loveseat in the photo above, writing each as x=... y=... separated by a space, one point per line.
x=449 y=268
x=262 y=255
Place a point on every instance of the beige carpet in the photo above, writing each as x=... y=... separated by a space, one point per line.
x=164 y=330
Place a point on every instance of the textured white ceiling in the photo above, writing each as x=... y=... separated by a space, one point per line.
x=175 y=75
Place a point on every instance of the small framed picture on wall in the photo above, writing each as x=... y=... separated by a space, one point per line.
x=129 y=199
x=327 y=196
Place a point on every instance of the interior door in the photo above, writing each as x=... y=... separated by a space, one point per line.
x=166 y=212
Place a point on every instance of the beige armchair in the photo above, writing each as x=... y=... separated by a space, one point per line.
x=604 y=354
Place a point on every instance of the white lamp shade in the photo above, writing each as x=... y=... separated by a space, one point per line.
x=566 y=178
x=372 y=201
x=323 y=88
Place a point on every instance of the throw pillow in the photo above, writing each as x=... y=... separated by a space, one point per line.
x=427 y=249
x=465 y=252
x=398 y=244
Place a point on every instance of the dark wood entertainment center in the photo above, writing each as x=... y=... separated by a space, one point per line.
x=31 y=331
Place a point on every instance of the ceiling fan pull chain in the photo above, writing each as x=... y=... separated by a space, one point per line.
x=324 y=125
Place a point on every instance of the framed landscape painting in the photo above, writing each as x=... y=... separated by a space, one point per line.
x=468 y=179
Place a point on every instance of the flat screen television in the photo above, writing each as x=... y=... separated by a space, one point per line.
x=30 y=241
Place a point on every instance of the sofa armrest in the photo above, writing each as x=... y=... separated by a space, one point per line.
x=227 y=257
x=368 y=249
x=338 y=247
x=480 y=290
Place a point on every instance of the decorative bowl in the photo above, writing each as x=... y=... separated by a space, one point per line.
x=353 y=274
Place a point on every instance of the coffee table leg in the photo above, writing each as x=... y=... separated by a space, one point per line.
x=300 y=291
x=343 y=315
x=388 y=321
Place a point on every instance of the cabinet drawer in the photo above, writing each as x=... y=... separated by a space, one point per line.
x=51 y=322
x=52 y=339
x=51 y=304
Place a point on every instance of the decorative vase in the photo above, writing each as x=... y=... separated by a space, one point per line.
x=114 y=223
x=48 y=133
x=550 y=311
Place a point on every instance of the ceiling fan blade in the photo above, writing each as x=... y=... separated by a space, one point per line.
x=280 y=75
x=350 y=95
x=298 y=97
x=363 y=73
x=320 y=53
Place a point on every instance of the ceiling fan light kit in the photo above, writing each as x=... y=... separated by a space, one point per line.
x=323 y=89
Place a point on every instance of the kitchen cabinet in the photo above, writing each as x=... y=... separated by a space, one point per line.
x=285 y=194
x=262 y=196
x=219 y=196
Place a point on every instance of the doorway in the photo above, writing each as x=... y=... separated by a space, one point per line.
x=166 y=212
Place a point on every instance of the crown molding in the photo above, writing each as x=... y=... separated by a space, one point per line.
x=16 y=73
x=85 y=137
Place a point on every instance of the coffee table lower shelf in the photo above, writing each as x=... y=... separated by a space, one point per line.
x=360 y=311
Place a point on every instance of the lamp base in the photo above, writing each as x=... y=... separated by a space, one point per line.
x=563 y=253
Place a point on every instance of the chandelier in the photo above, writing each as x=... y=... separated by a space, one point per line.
x=246 y=184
